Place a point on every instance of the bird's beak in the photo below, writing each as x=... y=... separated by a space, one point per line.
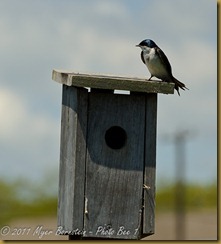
x=137 y=45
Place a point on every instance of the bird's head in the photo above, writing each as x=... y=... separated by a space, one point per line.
x=146 y=44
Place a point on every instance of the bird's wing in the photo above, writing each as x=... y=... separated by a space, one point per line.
x=163 y=59
x=142 y=58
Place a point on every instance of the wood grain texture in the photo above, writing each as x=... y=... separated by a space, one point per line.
x=105 y=192
x=72 y=158
x=112 y=82
x=150 y=165
x=114 y=177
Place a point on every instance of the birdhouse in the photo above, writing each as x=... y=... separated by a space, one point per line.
x=107 y=156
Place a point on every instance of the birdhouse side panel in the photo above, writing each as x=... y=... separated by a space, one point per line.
x=150 y=164
x=72 y=158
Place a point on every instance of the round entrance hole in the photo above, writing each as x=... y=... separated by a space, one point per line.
x=115 y=137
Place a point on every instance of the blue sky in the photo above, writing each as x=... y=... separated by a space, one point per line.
x=100 y=36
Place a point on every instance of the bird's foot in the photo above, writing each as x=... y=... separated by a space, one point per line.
x=150 y=78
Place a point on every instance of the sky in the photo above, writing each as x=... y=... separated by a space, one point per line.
x=99 y=36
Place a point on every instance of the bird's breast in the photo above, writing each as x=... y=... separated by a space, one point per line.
x=154 y=65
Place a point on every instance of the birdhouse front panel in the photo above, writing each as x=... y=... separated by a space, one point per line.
x=114 y=166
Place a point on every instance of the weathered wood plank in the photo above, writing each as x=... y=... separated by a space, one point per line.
x=114 y=177
x=150 y=165
x=72 y=158
x=112 y=82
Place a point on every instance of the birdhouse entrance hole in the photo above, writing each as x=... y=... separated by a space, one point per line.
x=115 y=137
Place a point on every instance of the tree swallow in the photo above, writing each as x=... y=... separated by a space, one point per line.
x=158 y=64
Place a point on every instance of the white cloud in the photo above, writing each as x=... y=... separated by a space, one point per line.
x=195 y=60
x=18 y=121
x=28 y=140
x=12 y=113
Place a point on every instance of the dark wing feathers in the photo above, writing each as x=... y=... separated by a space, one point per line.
x=164 y=59
x=142 y=58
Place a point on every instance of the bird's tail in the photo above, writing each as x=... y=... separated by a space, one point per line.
x=178 y=85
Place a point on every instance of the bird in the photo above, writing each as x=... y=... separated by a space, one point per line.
x=158 y=64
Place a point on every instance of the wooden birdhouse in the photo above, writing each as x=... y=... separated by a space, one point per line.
x=107 y=156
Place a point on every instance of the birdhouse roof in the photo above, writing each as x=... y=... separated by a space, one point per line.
x=110 y=82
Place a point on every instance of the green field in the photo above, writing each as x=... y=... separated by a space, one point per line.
x=23 y=200
x=196 y=197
